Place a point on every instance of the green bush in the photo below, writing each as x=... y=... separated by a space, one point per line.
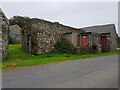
x=19 y=20
x=64 y=46
x=11 y=39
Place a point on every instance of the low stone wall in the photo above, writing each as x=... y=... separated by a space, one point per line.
x=40 y=36
x=4 y=27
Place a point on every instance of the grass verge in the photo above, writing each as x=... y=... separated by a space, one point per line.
x=18 y=58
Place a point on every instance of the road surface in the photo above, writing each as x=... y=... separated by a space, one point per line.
x=99 y=72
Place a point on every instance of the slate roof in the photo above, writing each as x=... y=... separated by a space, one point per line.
x=101 y=28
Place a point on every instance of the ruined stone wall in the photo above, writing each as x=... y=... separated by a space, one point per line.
x=40 y=36
x=4 y=27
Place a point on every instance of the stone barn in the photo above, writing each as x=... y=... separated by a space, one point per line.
x=4 y=30
x=88 y=42
x=108 y=36
x=40 y=36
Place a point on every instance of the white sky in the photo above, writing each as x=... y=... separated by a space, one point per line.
x=75 y=14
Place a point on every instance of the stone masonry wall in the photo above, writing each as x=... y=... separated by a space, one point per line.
x=40 y=36
x=94 y=45
x=113 y=40
x=4 y=25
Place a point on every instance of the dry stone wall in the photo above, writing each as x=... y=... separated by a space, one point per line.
x=4 y=30
x=40 y=36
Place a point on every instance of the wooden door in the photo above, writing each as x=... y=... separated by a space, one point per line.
x=103 y=43
x=85 y=40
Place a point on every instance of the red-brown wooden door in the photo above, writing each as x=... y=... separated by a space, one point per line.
x=103 y=43
x=84 y=40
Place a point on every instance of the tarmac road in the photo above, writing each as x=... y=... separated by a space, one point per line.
x=99 y=72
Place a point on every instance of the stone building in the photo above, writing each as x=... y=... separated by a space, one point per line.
x=4 y=30
x=14 y=31
x=108 y=36
x=40 y=36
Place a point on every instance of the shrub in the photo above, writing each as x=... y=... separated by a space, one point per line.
x=11 y=39
x=19 y=20
x=64 y=46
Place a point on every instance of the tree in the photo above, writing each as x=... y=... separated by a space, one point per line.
x=19 y=20
x=11 y=39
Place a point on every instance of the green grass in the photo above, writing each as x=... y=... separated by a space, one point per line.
x=18 y=58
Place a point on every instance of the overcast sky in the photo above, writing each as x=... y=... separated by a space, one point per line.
x=75 y=14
